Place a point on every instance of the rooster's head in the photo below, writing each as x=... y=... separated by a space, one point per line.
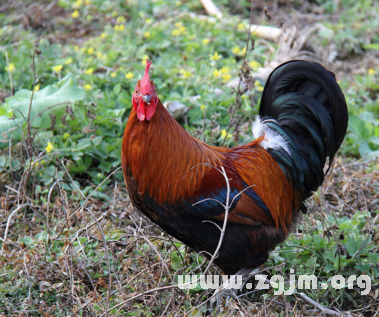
x=145 y=97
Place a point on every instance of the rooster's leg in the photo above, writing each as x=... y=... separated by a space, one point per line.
x=230 y=293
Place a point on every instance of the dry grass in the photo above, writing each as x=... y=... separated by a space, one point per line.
x=67 y=272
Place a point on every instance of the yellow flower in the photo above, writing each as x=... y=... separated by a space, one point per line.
x=258 y=85
x=191 y=37
x=226 y=77
x=103 y=35
x=75 y=14
x=77 y=4
x=241 y=27
x=149 y=21
x=49 y=147
x=76 y=47
x=225 y=70
x=129 y=75
x=57 y=68
x=202 y=107
x=66 y=136
x=37 y=87
x=99 y=54
x=90 y=51
x=99 y=175
x=254 y=64
x=185 y=73
x=244 y=96
x=224 y=134
x=87 y=2
x=179 y=29
x=113 y=74
x=11 y=67
x=144 y=58
x=68 y=61
x=120 y=20
x=235 y=50
x=216 y=73
x=205 y=41
x=120 y=27
x=89 y=71
x=87 y=87
x=215 y=57
x=147 y=34
x=83 y=49
x=371 y=71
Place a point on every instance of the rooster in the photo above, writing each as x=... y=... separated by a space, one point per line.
x=170 y=175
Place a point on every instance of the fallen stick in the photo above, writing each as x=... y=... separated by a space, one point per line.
x=211 y=8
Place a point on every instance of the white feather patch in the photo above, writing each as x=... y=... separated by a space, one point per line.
x=272 y=139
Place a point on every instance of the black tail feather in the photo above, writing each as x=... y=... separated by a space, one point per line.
x=311 y=114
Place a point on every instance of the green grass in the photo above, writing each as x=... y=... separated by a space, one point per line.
x=89 y=57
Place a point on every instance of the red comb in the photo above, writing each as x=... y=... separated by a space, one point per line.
x=147 y=67
x=145 y=83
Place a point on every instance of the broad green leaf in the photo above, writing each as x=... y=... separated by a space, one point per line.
x=357 y=126
x=82 y=144
x=27 y=240
x=11 y=128
x=355 y=244
x=50 y=100
x=42 y=236
x=328 y=268
x=368 y=117
x=117 y=88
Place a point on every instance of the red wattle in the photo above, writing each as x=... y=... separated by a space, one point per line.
x=150 y=110
x=141 y=111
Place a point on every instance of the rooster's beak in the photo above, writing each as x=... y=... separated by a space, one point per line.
x=146 y=98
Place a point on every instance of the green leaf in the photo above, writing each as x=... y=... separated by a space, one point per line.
x=27 y=240
x=176 y=261
x=372 y=46
x=42 y=236
x=2 y=161
x=56 y=97
x=9 y=129
x=117 y=88
x=355 y=244
x=82 y=144
x=368 y=117
x=328 y=268
x=357 y=126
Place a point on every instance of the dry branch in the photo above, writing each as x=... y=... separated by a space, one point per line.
x=8 y=224
x=211 y=8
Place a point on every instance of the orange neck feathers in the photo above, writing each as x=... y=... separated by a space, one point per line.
x=165 y=160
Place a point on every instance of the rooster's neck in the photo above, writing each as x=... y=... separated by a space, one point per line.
x=162 y=159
